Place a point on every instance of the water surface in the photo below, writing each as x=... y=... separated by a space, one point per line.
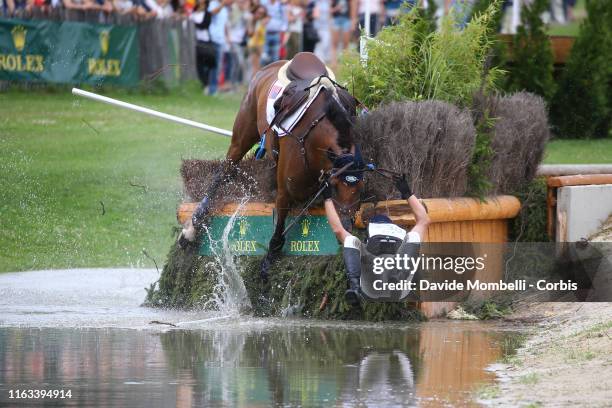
x=84 y=330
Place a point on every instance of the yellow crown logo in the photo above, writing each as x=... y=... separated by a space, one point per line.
x=243 y=225
x=104 y=40
x=19 y=37
x=305 y=227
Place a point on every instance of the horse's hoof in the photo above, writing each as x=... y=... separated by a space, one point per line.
x=183 y=242
x=188 y=235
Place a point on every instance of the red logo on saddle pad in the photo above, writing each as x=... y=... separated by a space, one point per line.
x=275 y=90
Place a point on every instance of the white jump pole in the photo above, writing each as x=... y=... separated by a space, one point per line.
x=363 y=39
x=151 y=112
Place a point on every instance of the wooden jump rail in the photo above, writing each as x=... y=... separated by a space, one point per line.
x=440 y=210
x=447 y=210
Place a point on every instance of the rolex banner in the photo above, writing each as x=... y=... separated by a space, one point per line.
x=68 y=52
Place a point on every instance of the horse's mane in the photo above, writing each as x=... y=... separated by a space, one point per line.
x=341 y=113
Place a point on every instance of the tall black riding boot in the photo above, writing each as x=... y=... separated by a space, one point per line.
x=352 y=263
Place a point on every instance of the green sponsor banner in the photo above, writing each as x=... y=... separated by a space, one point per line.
x=249 y=235
x=68 y=52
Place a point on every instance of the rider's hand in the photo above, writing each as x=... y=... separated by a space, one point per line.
x=327 y=191
x=402 y=185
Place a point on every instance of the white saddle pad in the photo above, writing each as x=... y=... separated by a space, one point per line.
x=277 y=89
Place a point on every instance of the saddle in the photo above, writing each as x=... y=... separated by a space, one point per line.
x=298 y=77
x=305 y=66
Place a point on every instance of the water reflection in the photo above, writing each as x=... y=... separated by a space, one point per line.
x=427 y=365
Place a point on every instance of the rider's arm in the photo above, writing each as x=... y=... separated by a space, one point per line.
x=419 y=211
x=420 y=215
x=334 y=221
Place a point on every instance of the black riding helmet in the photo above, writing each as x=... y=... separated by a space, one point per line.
x=354 y=174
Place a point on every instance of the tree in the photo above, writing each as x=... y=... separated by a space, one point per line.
x=533 y=61
x=582 y=106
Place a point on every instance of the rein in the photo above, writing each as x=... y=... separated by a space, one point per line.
x=323 y=186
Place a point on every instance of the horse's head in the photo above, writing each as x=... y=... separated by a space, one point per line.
x=346 y=179
x=347 y=164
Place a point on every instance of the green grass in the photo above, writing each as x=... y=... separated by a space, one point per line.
x=574 y=151
x=570 y=29
x=61 y=156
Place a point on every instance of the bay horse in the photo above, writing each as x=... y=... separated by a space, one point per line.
x=322 y=140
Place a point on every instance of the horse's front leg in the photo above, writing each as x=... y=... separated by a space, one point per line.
x=278 y=239
x=193 y=226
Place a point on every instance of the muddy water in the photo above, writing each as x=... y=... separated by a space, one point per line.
x=84 y=331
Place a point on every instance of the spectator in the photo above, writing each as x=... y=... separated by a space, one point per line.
x=178 y=7
x=142 y=11
x=240 y=16
x=295 y=27
x=189 y=6
x=11 y=6
x=323 y=24
x=311 y=34
x=376 y=12
x=206 y=52
x=218 y=36
x=79 y=4
x=124 y=7
x=105 y=6
x=257 y=37
x=161 y=8
x=277 y=24
x=39 y=4
x=568 y=7
x=341 y=28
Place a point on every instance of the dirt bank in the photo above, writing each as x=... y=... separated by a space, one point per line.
x=566 y=360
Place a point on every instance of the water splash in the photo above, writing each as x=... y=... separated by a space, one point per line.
x=229 y=295
x=290 y=309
